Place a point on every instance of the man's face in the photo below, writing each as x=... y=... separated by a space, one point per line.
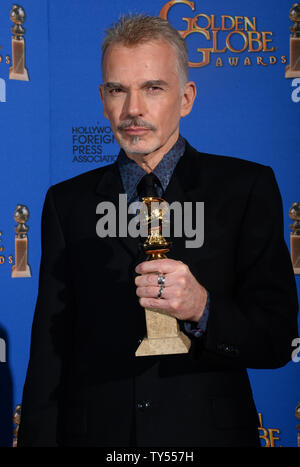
x=142 y=96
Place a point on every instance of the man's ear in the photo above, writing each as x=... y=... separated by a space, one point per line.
x=188 y=97
x=101 y=91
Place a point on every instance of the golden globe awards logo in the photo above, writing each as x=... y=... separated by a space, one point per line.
x=226 y=33
x=15 y=60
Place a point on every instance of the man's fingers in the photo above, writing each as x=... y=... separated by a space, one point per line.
x=162 y=266
x=149 y=291
x=152 y=279
x=155 y=303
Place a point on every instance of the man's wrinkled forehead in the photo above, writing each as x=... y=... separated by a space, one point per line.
x=152 y=50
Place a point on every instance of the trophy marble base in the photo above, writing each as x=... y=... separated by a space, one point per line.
x=295 y=253
x=289 y=73
x=21 y=267
x=293 y=70
x=18 y=76
x=18 y=69
x=164 y=346
x=163 y=336
x=16 y=273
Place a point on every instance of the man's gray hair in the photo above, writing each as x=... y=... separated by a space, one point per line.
x=132 y=30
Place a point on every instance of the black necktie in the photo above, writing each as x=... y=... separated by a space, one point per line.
x=146 y=186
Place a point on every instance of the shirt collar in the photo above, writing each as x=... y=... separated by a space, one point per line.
x=131 y=173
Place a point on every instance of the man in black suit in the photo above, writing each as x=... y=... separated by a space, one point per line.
x=235 y=295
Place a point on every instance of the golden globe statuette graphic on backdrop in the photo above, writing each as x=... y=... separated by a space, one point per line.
x=163 y=334
x=17 y=420
x=294 y=213
x=297 y=413
x=293 y=70
x=21 y=267
x=18 y=70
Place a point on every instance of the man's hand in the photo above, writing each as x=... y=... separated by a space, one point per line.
x=182 y=297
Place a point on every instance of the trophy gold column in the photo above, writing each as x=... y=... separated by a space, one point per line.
x=163 y=333
x=294 y=213
x=18 y=70
x=21 y=267
x=293 y=70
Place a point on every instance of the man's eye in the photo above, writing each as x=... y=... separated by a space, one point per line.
x=154 y=89
x=115 y=91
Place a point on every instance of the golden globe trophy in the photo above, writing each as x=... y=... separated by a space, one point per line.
x=293 y=70
x=163 y=333
x=18 y=70
x=21 y=268
x=294 y=213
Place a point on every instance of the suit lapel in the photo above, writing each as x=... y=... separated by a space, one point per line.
x=186 y=186
x=187 y=178
x=108 y=189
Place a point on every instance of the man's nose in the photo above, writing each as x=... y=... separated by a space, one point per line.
x=134 y=105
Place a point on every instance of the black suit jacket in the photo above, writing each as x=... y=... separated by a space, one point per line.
x=84 y=385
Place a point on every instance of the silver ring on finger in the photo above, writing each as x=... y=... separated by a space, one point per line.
x=161 y=280
x=160 y=291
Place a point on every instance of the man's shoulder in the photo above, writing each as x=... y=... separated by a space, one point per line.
x=223 y=163
x=82 y=182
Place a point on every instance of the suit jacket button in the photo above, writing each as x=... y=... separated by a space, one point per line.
x=143 y=405
x=228 y=349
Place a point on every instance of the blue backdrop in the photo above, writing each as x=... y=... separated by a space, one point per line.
x=52 y=128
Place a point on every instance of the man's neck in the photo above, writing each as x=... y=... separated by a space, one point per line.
x=148 y=162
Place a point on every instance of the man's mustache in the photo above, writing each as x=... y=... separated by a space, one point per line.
x=138 y=122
